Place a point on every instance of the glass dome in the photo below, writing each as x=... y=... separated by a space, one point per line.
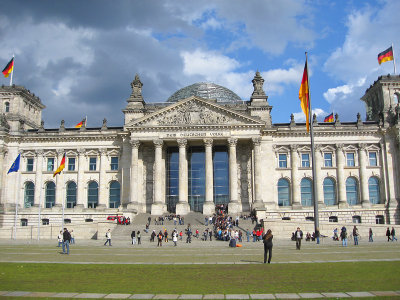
x=207 y=91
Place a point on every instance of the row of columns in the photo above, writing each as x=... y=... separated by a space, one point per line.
x=182 y=206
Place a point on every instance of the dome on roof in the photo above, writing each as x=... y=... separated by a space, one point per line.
x=207 y=91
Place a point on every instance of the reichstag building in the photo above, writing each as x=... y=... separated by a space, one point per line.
x=202 y=147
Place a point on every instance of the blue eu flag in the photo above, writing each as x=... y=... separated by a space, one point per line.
x=15 y=165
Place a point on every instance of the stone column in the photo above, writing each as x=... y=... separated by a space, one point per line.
x=362 y=158
x=3 y=152
x=158 y=207
x=134 y=178
x=258 y=203
x=294 y=157
x=39 y=192
x=318 y=179
x=209 y=206
x=234 y=205
x=341 y=182
x=103 y=195
x=60 y=200
x=182 y=207
x=81 y=202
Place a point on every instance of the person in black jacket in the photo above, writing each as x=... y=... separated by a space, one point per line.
x=66 y=241
x=267 y=239
x=298 y=236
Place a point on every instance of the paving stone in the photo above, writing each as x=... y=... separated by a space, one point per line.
x=3 y=292
x=262 y=296
x=310 y=295
x=287 y=296
x=17 y=294
x=360 y=294
x=335 y=295
x=65 y=295
x=385 y=293
x=142 y=296
x=40 y=294
x=191 y=296
x=214 y=296
x=237 y=296
x=166 y=296
x=117 y=296
x=90 y=295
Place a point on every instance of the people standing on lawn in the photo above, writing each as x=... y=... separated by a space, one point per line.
x=370 y=235
x=343 y=236
x=298 y=236
x=66 y=241
x=388 y=234
x=393 y=234
x=108 y=238
x=355 y=235
x=267 y=239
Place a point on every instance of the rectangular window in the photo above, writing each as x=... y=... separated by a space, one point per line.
x=327 y=159
x=282 y=160
x=29 y=165
x=373 y=162
x=350 y=160
x=305 y=160
x=92 y=163
x=71 y=163
x=50 y=164
x=114 y=163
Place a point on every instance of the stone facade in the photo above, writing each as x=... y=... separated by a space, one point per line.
x=125 y=170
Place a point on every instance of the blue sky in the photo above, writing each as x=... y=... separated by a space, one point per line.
x=79 y=57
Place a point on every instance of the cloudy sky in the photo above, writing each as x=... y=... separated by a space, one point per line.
x=80 y=57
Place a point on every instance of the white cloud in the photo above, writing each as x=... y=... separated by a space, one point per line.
x=212 y=23
x=342 y=91
x=300 y=116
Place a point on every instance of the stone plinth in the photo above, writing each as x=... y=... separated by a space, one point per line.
x=234 y=208
x=208 y=208
x=182 y=209
x=157 y=209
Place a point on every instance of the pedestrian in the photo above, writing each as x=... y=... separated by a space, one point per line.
x=393 y=234
x=189 y=234
x=343 y=236
x=139 y=238
x=248 y=235
x=60 y=239
x=298 y=235
x=317 y=234
x=108 y=238
x=149 y=220
x=133 y=237
x=166 y=236
x=388 y=234
x=267 y=239
x=180 y=235
x=159 y=238
x=210 y=234
x=370 y=235
x=72 y=237
x=175 y=238
x=66 y=241
x=355 y=235
x=205 y=221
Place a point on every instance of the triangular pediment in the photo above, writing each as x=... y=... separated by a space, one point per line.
x=195 y=111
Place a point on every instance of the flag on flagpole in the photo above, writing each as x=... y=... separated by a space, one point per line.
x=80 y=124
x=386 y=55
x=9 y=68
x=15 y=165
x=304 y=97
x=329 y=118
x=61 y=167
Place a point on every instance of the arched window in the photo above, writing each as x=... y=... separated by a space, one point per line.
x=93 y=194
x=114 y=194
x=351 y=191
x=29 y=194
x=50 y=194
x=329 y=191
x=283 y=192
x=7 y=107
x=306 y=192
x=374 y=191
x=71 y=194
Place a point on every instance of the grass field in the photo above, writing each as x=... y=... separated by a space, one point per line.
x=201 y=279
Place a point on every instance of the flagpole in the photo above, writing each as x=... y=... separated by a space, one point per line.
x=63 y=204
x=16 y=206
x=40 y=207
x=394 y=61
x=316 y=215
x=12 y=71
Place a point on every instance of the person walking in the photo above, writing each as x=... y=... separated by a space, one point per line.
x=267 y=239
x=72 y=237
x=298 y=235
x=108 y=238
x=133 y=237
x=139 y=238
x=388 y=234
x=175 y=238
x=355 y=235
x=343 y=236
x=66 y=241
x=159 y=238
x=393 y=234
x=370 y=236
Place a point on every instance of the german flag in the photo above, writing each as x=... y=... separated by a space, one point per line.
x=61 y=167
x=304 y=97
x=329 y=118
x=80 y=124
x=8 y=69
x=386 y=55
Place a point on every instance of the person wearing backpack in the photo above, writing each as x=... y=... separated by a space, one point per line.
x=343 y=236
x=160 y=238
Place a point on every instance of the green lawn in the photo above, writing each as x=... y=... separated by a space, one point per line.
x=201 y=279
